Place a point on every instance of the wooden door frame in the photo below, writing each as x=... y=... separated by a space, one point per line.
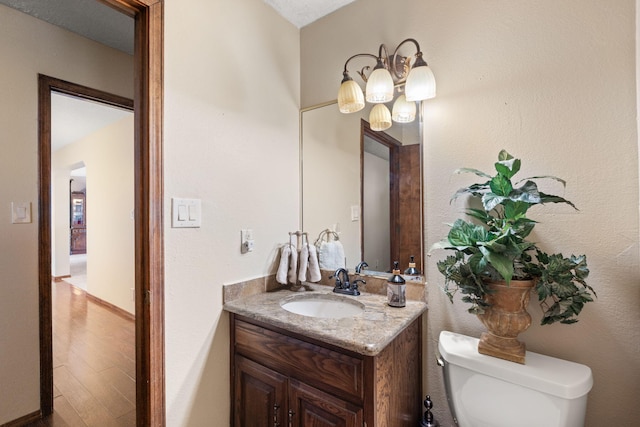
x=149 y=270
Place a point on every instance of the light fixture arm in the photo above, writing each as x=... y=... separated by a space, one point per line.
x=419 y=61
x=345 y=72
x=391 y=63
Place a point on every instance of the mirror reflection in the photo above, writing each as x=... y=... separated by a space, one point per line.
x=364 y=185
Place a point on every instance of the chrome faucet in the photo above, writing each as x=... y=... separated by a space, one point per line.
x=360 y=266
x=342 y=283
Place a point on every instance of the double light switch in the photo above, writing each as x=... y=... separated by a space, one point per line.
x=185 y=213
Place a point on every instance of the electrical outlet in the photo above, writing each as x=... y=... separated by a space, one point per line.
x=246 y=240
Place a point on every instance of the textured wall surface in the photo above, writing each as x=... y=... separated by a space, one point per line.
x=231 y=140
x=553 y=83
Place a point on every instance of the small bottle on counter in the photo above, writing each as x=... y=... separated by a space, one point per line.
x=412 y=270
x=396 y=288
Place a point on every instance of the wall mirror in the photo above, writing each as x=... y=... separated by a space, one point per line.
x=364 y=185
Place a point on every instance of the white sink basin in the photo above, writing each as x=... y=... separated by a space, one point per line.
x=325 y=306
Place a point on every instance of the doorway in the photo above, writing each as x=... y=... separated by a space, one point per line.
x=149 y=306
x=391 y=201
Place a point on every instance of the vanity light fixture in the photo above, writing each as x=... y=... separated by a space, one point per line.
x=412 y=81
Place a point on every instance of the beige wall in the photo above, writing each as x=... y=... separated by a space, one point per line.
x=553 y=83
x=108 y=157
x=230 y=139
x=29 y=47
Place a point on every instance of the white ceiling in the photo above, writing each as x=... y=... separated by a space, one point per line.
x=304 y=12
x=72 y=118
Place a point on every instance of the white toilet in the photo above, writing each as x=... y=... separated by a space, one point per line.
x=484 y=391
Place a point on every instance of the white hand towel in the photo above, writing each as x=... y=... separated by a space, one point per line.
x=331 y=255
x=314 y=267
x=283 y=266
x=304 y=263
x=293 y=265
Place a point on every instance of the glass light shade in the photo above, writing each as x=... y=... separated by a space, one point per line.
x=403 y=111
x=380 y=117
x=421 y=84
x=379 y=86
x=350 y=97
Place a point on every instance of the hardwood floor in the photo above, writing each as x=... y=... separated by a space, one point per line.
x=93 y=363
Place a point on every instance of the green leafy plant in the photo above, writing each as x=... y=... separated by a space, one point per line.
x=495 y=246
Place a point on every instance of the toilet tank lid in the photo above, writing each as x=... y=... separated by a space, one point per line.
x=546 y=374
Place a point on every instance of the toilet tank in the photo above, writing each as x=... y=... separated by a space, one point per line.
x=485 y=391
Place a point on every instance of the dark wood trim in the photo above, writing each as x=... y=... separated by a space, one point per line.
x=232 y=360
x=23 y=421
x=150 y=385
x=148 y=100
x=44 y=246
x=363 y=125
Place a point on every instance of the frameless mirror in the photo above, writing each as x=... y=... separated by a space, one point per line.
x=364 y=185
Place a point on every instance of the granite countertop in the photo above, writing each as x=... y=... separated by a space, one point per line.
x=367 y=333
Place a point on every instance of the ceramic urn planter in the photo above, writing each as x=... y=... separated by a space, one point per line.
x=506 y=317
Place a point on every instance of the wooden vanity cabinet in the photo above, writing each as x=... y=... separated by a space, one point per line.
x=284 y=379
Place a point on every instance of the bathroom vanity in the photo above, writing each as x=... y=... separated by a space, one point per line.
x=293 y=370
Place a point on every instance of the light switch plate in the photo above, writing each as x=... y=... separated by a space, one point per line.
x=20 y=212
x=355 y=213
x=186 y=213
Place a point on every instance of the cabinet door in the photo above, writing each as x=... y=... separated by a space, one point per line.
x=260 y=395
x=310 y=407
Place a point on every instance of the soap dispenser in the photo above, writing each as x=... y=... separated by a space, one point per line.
x=412 y=270
x=396 y=289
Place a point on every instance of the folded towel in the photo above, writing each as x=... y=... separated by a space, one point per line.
x=314 y=267
x=304 y=263
x=331 y=255
x=283 y=266
x=293 y=265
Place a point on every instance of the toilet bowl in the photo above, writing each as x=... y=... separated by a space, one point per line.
x=485 y=391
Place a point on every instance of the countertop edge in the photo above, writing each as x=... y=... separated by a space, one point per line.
x=323 y=329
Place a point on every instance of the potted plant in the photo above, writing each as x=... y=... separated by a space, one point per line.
x=495 y=267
